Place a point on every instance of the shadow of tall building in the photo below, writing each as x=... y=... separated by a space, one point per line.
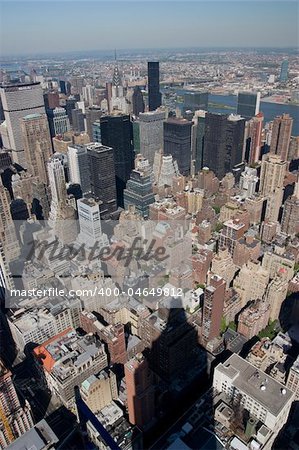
x=166 y=383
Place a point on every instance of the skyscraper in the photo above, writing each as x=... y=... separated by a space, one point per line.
x=281 y=135
x=284 y=71
x=137 y=100
x=102 y=176
x=93 y=114
x=78 y=163
x=194 y=100
x=37 y=144
x=197 y=140
x=19 y=100
x=177 y=142
x=151 y=134
x=78 y=120
x=273 y=171
x=117 y=132
x=253 y=138
x=90 y=223
x=248 y=104
x=59 y=120
x=14 y=419
x=139 y=190
x=290 y=217
x=140 y=391
x=223 y=142
x=213 y=308
x=154 y=94
x=58 y=187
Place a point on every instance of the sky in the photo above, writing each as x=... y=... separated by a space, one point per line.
x=50 y=27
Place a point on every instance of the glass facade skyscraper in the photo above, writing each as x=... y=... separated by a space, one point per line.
x=117 y=132
x=248 y=104
x=154 y=94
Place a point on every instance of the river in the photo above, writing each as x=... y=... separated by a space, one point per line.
x=270 y=110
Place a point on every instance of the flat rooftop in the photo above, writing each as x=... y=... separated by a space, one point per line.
x=261 y=387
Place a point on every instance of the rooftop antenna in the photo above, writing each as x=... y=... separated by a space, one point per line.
x=115 y=54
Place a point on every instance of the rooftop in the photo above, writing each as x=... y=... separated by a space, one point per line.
x=256 y=384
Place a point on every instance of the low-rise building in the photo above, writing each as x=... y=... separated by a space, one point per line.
x=265 y=399
x=67 y=360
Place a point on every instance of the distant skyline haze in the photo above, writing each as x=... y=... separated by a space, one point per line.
x=53 y=27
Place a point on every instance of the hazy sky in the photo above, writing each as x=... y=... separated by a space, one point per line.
x=49 y=26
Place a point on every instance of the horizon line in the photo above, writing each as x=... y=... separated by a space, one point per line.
x=70 y=52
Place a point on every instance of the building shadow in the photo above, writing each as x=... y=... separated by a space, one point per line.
x=168 y=385
x=288 y=436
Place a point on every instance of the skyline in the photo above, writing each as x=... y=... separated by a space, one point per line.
x=101 y=26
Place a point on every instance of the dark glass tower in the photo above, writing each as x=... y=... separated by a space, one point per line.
x=139 y=191
x=177 y=142
x=137 y=101
x=248 y=104
x=117 y=132
x=223 y=143
x=102 y=176
x=194 y=101
x=154 y=94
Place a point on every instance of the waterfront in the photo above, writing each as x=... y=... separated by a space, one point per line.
x=270 y=110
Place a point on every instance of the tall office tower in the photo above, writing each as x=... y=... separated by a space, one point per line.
x=102 y=176
x=137 y=101
x=78 y=164
x=213 y=308
x=139 y=190
x=19 y=100
x=248 y=104
x=223 y=142
x=248 y=182
x=37 y=144
x=8 y=237
x=90 y=223
x=6 y=280
x=60 y=121
x=52 y=99
x=117 y=132
x=88 y=94
x=70 y=104
x=165 y=168
x=77 y=84
x=281 y=135
x=195 y=101
x=273 y=171
x=284 y=71
x=15 y=418
x=93 y=114
x=177 y=142
x=151 y=133
x=117 y=99
x=78 y=120
x=253 y=138
x=96 y=132
x=140 y=391
x=154 y=94
x=136 y=135
x=63 y=86
x=293 y=148
x=290 y=217
x=57 y=186
x=197 y=141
